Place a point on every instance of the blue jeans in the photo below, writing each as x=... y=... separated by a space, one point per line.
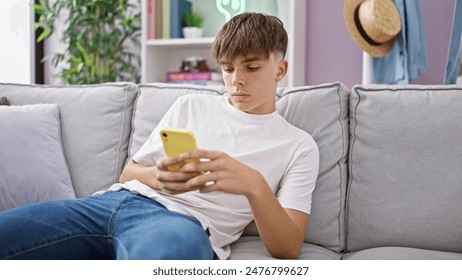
x=114 y=225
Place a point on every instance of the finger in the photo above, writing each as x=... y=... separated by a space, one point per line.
x=199 y=166
x=205 y=154
x=202 y=181
x=172 y=176
x=177 y=187
x=210 y=187
x=164 y=163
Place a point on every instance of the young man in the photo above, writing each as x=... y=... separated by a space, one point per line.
x=254 y=166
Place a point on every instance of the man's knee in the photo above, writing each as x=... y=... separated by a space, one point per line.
x=175 y=240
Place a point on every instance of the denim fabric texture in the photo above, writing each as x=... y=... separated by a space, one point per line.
x=113 y=225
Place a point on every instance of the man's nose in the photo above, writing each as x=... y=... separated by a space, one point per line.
x=238 y=79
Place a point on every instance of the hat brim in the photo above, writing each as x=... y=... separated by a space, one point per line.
x=349 y=8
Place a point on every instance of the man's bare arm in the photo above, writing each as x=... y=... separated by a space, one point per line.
x=157 y=177
x=282 y=230
x=145 y=174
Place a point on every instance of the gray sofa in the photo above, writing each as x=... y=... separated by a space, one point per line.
x=390 y=178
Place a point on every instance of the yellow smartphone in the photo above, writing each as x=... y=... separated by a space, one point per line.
x=177 y=141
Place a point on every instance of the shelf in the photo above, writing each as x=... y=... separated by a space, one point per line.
x=159 y=56
x=181 y=42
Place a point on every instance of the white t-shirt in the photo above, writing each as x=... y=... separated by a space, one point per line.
x=286 y=156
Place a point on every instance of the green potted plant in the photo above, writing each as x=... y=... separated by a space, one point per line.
x=193 y=24
x=98 y=34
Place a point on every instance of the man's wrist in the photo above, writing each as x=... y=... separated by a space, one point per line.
x=258 y=186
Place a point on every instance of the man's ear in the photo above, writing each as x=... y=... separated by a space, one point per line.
x=282 y=69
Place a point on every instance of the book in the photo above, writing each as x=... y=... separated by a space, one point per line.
x=158 y=18
x=166 y=19
x=150 y=20
x=192 y=76
x=177 y=10
x=199 y=78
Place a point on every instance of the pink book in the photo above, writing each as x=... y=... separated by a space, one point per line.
x=151 y=20
x=188 y=76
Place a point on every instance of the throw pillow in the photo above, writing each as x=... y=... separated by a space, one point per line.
x=4 y=101
x=33 y=167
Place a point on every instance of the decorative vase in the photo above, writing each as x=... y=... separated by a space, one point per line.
x=192 y=32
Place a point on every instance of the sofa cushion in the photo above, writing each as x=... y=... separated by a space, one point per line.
x=32 y=163
x=252 y=248
x=401 y=253
x=154 y=101
x=405 y=168
x=96 y=125
x=322 y=111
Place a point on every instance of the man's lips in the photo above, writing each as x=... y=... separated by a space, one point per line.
x=240 y=96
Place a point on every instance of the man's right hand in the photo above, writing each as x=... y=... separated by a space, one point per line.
x=173 y=182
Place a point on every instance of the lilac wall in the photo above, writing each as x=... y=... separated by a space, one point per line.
x=333 y=56
x=331 y=53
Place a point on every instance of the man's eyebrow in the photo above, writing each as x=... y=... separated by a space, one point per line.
x=247 y=60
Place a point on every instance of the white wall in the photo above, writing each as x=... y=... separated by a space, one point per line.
x=51 y=46
x=16 y=48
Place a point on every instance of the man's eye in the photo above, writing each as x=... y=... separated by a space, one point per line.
x=253 y=69
x=228 y=70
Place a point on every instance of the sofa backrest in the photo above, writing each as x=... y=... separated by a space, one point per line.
x=322 y=111
x=153 y=102
x=95 y=126
x=405 y=183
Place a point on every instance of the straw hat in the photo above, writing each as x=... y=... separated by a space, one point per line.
x=373 y=24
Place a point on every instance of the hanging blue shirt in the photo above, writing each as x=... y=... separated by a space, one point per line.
x=408 y=58
x=452 y=66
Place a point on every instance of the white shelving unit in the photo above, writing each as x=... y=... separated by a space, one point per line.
x=161 y=55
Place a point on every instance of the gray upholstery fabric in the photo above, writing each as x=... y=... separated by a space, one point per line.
x=252 y=248
x=322 y=111
x=405 y=168
x=96 y=125
x=249 y=248
x=400 y=253
x=154 y=101
x=315 y=252
x=32 y=163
